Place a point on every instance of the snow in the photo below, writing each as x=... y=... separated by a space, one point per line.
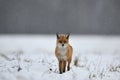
x=31 y=57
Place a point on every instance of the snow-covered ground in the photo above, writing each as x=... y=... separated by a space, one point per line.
x=31 y=57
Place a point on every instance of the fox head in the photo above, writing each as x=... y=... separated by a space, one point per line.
x=62 y=40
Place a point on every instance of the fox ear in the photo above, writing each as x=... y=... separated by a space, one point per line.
x=67 y=35
x=57 y=35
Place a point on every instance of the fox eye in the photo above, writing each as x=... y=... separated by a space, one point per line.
x=60 y=41
x=64 y=41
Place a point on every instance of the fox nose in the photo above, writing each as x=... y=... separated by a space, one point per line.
x=62 y=44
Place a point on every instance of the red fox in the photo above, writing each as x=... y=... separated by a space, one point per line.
x=63 y=52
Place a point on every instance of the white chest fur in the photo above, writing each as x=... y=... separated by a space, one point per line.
x=62 y=53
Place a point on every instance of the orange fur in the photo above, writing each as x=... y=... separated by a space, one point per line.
x=63 y=53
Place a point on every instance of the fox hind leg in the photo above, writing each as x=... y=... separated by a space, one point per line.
x=68 y=67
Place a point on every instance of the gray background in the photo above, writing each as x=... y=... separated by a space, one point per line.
x=51 y=16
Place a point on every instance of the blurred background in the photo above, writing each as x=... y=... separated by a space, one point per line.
x=51 y=16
